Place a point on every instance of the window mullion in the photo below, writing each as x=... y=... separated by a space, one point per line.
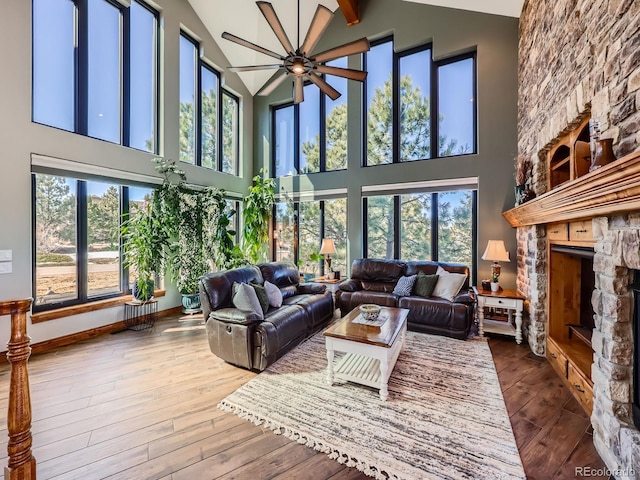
x=198 y=107
x=365 y=228
x=434 y=227
x=125 y=15
x=220 y=114
x=434 y=153
x=396 y=226
x=82 y=67
x=124 y=216
x=296 y=138
x=395 y=110
x=323 y=132
x=82 y=256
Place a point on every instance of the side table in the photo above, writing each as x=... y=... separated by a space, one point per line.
x=140 y=315
x=510 y=300
x=332 y=284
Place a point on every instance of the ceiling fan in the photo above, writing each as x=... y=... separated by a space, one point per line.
x=301 y=63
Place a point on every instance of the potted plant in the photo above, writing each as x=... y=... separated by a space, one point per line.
x=143 y=250
x=258 y=208
x=495 y=286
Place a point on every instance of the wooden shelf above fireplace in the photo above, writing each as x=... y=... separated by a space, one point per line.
x=614 y=188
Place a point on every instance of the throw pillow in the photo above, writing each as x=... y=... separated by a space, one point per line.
x=274 y=294
x=448 y=284
x=405 y=286
x=425 y=284
x=245 y=299
x=262 y=296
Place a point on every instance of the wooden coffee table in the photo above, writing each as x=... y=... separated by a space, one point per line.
x=370 y=352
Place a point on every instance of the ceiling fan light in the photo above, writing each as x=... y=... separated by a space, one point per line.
x=298 y=67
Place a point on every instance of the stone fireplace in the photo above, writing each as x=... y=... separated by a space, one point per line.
x=617 y=255
x=580 y=59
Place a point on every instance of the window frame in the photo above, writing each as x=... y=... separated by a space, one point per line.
x=434 y=100
x=81 y=74
x=322 y=112
x=397 y=222
x=81 y=240
x=200 y=64
x=296 y=228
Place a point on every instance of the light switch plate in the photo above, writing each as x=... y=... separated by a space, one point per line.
x=6 y=255
x=6 y=267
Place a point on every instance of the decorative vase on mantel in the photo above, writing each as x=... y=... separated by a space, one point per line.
x=603 y=154
x=524 y=193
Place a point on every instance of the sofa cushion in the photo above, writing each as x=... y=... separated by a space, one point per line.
x=216 y=288
x=273 y=294
x=261 y=293
x=424 y=285
x=377 y=270
x=246 y=299
x=449 y=284
x=386 y=287
x=281 y=274
x=436 y=315
x=404 y=287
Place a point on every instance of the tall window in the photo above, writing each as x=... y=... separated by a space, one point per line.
x=439 y=226
x=300 y=228
x=230 y=133
x=95 y=69
x=317 y=126
x=209 y=115
x=416 y=108
x=77 y=239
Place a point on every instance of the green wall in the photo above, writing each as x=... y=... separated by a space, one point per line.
x=451 y=32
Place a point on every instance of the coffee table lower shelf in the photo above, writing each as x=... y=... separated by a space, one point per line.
x=358 y=369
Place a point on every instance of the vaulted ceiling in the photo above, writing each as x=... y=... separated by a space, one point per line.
x=243 y=19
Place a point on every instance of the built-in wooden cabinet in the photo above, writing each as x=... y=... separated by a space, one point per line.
x=570 y=158
x=570 y=313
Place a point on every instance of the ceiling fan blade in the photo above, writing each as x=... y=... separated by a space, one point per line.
x=319 y=24
x=251 y=68
x=276 y=80
x=327 y=89
x=252 y=46
x=349 y=73
x=274 y=22
x=298 y=86
x=351 y=48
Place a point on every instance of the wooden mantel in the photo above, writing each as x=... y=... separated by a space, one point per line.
x=614 y=188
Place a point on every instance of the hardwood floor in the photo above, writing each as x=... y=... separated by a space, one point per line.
x=142 y=405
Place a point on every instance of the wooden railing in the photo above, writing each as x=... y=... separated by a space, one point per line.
x=22 y=465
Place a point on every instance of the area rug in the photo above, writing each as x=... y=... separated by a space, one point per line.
x=445 y=417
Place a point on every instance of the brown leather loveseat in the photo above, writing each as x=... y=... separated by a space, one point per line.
x=373 y=281
x=244 y=339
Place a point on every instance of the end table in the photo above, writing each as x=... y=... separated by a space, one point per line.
x=510 y=300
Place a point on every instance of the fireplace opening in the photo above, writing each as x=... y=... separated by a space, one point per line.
x=635 y=288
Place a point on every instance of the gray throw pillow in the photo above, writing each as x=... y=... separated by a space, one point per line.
x=245 y=299
x=262 y=296
x=424 y=285
x=405 y=286
x=274 y=294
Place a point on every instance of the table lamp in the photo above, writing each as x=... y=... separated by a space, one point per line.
x=327 y=249
x=496 y=252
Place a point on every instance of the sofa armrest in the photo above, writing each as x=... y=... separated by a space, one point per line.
x=311 y=288
x=235 y=315
x=465 y=296
x=350 y=286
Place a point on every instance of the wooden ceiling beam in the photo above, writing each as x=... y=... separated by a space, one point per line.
x=351 y=11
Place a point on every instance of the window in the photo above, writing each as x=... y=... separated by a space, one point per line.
x=300 y=228
x=230 y=133
x=318 y=126
x=209 y=115
x=438 y=226
x=416 y=108
x=80 y=83
x=77 y=239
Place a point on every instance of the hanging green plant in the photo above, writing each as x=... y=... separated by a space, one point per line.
x=258 y=205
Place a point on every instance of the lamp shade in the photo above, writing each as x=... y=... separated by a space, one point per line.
x=496 y=251
x=327 y=247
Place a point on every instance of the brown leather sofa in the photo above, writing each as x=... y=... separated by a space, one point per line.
x=373 y=281
x=245 y=340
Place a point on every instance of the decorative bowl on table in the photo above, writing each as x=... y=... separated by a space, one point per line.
x=370 y=311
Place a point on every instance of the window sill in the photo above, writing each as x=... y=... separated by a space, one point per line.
x=85 y=307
